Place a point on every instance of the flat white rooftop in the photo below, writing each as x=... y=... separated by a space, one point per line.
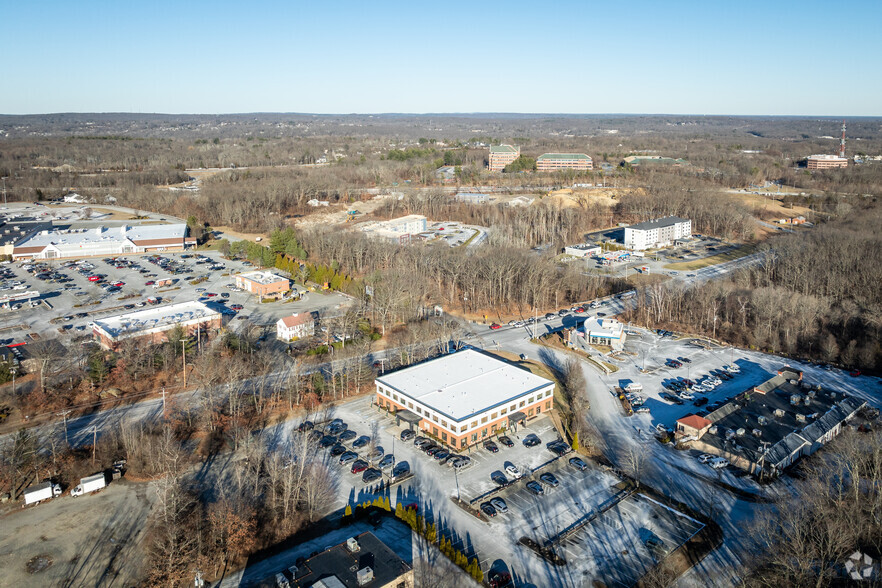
x=155 y=319
x=463 y=383
x=106 y=234
x=263 y=277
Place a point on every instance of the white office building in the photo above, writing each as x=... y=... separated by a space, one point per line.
x=657 y=233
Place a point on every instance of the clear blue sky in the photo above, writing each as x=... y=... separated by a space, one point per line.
x=193 y=56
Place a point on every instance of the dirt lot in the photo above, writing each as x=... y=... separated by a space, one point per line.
x=87 y=541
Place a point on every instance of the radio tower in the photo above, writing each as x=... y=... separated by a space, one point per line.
x=842 y=142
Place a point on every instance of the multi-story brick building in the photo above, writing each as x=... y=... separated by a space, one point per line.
x=553 y=161
x=465 y=397
x=502 y=155
x=826 y=162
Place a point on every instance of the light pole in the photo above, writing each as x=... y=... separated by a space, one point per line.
x=64 y=414
x=4 y=191
x=14 y=371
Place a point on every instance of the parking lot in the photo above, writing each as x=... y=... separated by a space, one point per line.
x=75 y=292
x=620 y=544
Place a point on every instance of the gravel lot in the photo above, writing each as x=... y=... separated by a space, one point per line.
x=91 y=540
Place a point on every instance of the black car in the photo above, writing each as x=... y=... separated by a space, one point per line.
x=499 y=478
x=327 y=441
x=536 y=488
x=361 y=442
x=348 y=456
x=531 y=440
x=338 y=450
x=550 y=480
x=491 y=447
x=488 y=509
x=371 y=475
x=558 y=448
x=442 y=455
x=506 y=441
x=401 y=468
x=578 y=464
x=700 y=401
x=433 y=449
x=407 y=435
x=348 y=435
x=670 y=398
x=684 y=359
x=306 y=426
x=420 y=441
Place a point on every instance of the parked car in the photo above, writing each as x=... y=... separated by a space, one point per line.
x=578 y=463
x=327 y=441
x=532 y=440
x=338 y=450
x=348 y=435
x=400 y=469
x=491 y=446
x=348 y=457
x=512 y=470
x=407 y=435
x=499 y=478
x=705 y=457
x=719 y=463
x=361 y=442
x=441 y=455
x=558 y=448
x=536 y=488
x=499 y=504
x=461 y=462
x=387 y=462
x=506 y=441
x=371 y=475
x=306 y=426
x=359 y=466
x=495 y=326
x=549 y=479
x=488 y=509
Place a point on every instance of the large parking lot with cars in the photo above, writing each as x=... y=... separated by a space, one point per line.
x=72 y=293
x=542 y=494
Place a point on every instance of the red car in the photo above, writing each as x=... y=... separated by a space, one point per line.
x=359 y=466
x=236 y=306
x=495 y=326
x=210 y=294
x=150 y=283
x=580 y=309
x=94 y=278
x=119 y=284
x=855 y=373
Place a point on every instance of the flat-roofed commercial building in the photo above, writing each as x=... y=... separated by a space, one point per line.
x=99 y=241
x=657 y=233
x=502 y=155
x=771 y=426
x=465 y=397
x=264 y=284
x=362 y=560
x=582 y=250
x=826 y=162
x=399 y=230
x=553 y=161
x=153 y=324
x=603 y=331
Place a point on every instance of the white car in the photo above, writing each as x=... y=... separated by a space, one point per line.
x=686 y=396
x=705 y=457
x=513 y=471
x=719 y=463
x=20 y=287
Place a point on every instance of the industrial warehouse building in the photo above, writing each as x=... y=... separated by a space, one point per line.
x=772 y=425
x=103 y=241
x=264 y=284
x=825 y=162
x=153 y=324
x=657 y=233
x=502 y=155
x=553 y=161
x=400 y=230
x=465 y=397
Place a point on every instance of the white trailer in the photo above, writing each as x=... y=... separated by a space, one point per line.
x=39 y=492
x=634 y=387
x=89 y=484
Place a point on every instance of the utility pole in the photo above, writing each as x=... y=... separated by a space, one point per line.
x=184 y=352
x=94 y=442
x=63 y=414
x=163 y=400
x=4 y=185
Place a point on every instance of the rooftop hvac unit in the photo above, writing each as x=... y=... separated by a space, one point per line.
x=779 y=412
x=352 y=545
x=757 y=433
x=793 y=382
x=763 y=420
x=364 y=576
x=795 y=399
x=740 y=432
x=800 y=418
x=730 y=433
x=712 y=430
x=814 y=415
